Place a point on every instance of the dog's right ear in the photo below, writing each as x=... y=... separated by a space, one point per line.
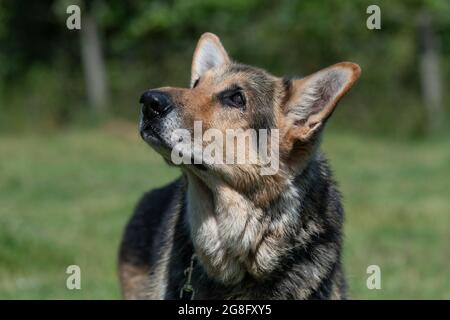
x=208 y=54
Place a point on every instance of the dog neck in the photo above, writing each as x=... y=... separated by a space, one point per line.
x=233 y=236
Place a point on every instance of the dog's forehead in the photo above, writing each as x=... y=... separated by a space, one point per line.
x=244 y=75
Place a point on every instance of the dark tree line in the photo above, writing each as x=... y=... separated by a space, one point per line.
x=127 y=46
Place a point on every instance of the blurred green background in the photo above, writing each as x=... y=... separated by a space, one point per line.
x=72 y=165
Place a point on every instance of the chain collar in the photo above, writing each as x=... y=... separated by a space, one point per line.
x=187 y=292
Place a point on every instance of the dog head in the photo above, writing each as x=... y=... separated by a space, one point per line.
x=226 y=96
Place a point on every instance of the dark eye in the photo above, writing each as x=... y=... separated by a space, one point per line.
x=237 y=99
x=234 y=99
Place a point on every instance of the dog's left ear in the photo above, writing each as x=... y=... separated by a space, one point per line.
x=208 y=54
x=314 y=98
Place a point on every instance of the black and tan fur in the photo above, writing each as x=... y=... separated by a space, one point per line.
x=255 y=236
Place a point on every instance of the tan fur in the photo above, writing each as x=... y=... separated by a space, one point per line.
x=133 y=279
x=244 y=225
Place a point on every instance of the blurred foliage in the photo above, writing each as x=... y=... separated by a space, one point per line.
x=149 y=44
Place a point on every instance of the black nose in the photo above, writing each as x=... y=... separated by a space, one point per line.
x=155 y=103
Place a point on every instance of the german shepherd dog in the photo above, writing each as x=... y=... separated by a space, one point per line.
x=227 y=231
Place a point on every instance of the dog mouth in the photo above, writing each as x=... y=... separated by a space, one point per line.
x=150 y=134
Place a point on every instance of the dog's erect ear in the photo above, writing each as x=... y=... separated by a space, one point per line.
x=313 y=98
x=208 y=54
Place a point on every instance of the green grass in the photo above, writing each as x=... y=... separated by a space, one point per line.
x=65 y=198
